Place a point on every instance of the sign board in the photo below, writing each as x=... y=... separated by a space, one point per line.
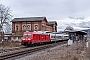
x=70 y=42
x=87 y=44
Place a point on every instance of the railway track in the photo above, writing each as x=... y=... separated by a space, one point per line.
x=5 y=50
x=16 y=53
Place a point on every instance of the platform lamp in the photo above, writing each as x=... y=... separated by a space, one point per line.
x=88 y=33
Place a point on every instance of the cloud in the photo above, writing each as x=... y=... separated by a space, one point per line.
x=58 y=10
x=52 y=9
x=76 y=24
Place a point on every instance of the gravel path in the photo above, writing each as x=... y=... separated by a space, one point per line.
x=72 y=52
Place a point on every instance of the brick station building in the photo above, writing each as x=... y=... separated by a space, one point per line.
x=19 y=25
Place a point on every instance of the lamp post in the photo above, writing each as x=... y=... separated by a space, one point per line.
x=88 y=33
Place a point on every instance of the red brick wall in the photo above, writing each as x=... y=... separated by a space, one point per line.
x=50 y=28
x=13 y=27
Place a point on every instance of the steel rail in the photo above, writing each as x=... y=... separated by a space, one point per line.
x=26 y=51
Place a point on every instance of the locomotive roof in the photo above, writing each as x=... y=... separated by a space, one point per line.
x=36 y=32
x=59 y=34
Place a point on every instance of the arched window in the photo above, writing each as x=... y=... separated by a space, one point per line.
x=28 y=27
x=24 y=27
x=16 y=28
x=43 y=28
x=36 y=27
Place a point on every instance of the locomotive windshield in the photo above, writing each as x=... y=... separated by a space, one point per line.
x=27 y=35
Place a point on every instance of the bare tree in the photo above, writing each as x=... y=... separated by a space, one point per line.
x=69 y=28
x=5 y=16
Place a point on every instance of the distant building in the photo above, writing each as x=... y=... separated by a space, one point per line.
x=19 y=25
x=33 y=24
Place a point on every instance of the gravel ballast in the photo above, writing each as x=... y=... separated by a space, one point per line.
x=76 y=51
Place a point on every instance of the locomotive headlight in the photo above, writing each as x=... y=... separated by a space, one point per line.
x=28 y=39
x=23 y=39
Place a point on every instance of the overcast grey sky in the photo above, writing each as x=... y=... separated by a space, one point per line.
x=52 y=9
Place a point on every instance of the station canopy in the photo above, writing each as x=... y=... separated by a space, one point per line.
x=78 y=32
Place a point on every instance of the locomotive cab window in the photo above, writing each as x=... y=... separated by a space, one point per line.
x=27 y=35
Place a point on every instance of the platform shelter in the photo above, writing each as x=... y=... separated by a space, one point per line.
x=78 y=36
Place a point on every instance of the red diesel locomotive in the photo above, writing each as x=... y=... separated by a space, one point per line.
x=30 y=38
x=34 y=37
